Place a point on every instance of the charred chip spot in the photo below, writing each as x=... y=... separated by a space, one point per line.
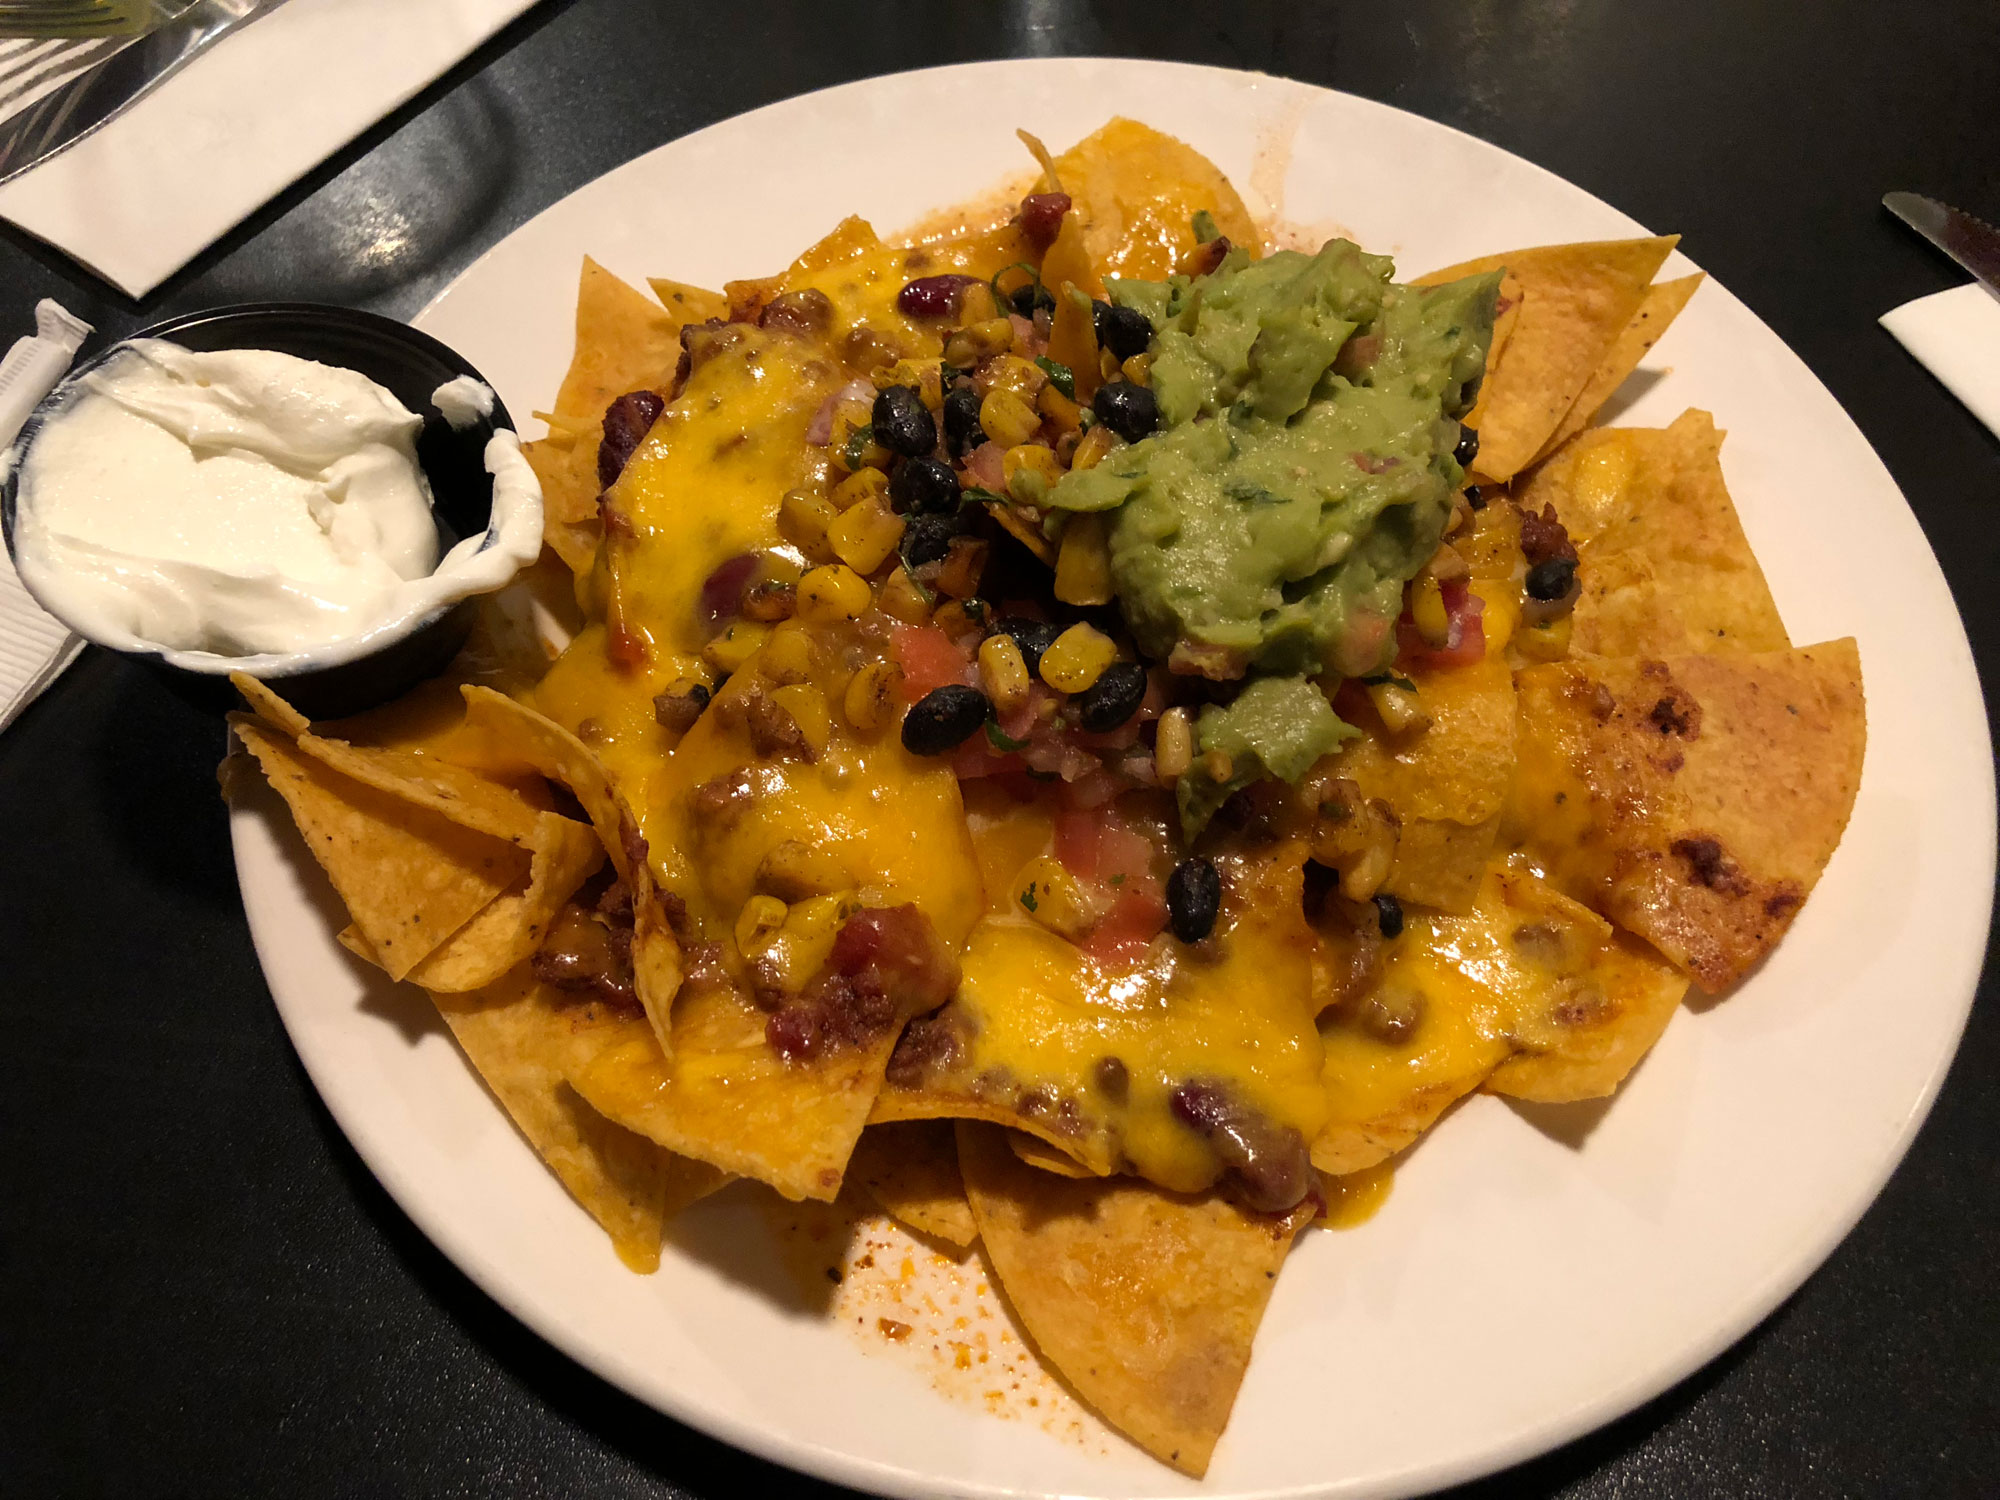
x=1676 y=713
x=1710 y=865
x=1588 y=1006
x=1783 y=901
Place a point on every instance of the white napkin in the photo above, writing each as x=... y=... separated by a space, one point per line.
x=34 y=648
x=1956 y=336
x=143 y=196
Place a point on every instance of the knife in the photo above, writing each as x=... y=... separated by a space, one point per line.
x=1973 y=243
x=101 y=93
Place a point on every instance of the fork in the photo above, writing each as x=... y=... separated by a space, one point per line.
x=49 y=19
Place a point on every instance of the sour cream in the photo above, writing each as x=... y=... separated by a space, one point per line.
x=246 y=503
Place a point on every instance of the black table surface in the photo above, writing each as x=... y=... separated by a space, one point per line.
x=204 y=1291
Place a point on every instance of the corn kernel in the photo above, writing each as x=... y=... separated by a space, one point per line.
x=1107 y=365
x=1138 y=369
x=1548 y=642
x=761 y=917
x=1402 y=708
x=1217 y=766
x=1354 y=836
x=976 y=304
x=1173 y=748
x=831 y=594
x=791 y=655
x=865 y=536
x=903 y=598
x=964 y=565
x=1054 y=897
x=1003 y=672
x=1030 y=458
x=1077 y=658
x=1433 y=620
x=807 y=706
x=1010 y=372
x=793 y=956
x=736 y=645
x=862 y=484
x=979 y=341
x=803 y=518
x=1090 y=451
x=1007 y=418
x=960 y=617
x=1063 y=414
x=870 y=698
x=1083 y=566
x=923 y=375
x=794 y=871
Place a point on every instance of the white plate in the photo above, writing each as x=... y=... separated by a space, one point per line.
x=1536 y=1273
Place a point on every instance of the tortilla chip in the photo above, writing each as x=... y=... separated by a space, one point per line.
x=1038 y=1153
x=451 y=791
x=1575 y=302
x=522 y=1037
x=268 y=706
x=1447 y=785
x=1663 y=557
x=567 y=468
x=625 y=341
x=911 y=1171
x=507 y=933
x=501 y=735
x=1662 y=304
x=1506 y=315
x=689 y=304
x=409 y=877
x=1147 y=1302
x=1138 y=191
x=1696 y=800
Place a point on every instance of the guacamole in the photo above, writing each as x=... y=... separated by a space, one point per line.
x=1278 y=726
x=1302 y=472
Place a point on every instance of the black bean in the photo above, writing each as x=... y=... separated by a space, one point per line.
x=1130 y=410
x=1468 y=446
x=626 y=423
x=1125 y=331
x=1027 y=299
x=1551 y=580
x=924 y=487
x=1113 y=698
x=944 y=718
x=902 y=423
x=962 y=431
x=1033 y=637
x=1475 y=497
x=1194 y=896
x=1389 y=915
x=926 y=539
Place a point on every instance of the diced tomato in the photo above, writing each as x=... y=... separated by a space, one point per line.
x=929 y=660
x=1121 y=938
x=983 y=468
x=1465 y=644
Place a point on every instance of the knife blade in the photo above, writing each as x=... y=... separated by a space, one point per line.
x=1973 y=243
x=101 y=93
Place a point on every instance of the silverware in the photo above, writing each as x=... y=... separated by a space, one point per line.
x=1973 y=243
x=95 y=97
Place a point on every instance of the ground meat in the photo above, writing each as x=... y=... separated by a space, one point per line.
x=626 y=423
x=1544 y=537
x=614 y=902
x=1265 y=1163
x=929 y=1044
x=589 y=956
x=887 y=964
x=773 y=731
x=719 y=802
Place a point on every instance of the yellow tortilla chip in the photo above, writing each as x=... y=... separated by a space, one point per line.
x=1529 y=993
x=1446 y=785
x=565 y=854
x=1695 y=800
x=1662 y=304
x=911 y=1171
x=1138 y=191
x=1147 y=1302
x=1664 y=565
x=268 y=706
x=625 y=341
x=1575 y=301
x=409 y=877
x=451 y=791
x=522 y=1038
x=689 y=304
x=1506 y=314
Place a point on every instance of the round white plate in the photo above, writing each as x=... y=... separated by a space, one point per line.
x=1537 y=1272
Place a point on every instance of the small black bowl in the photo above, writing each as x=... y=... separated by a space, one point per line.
x=411 y=365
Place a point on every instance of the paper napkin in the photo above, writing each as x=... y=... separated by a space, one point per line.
x=1956 y=336
x=143 y=196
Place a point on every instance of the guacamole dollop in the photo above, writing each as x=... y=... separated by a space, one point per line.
x=1302 y=472
x=1277 y=726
